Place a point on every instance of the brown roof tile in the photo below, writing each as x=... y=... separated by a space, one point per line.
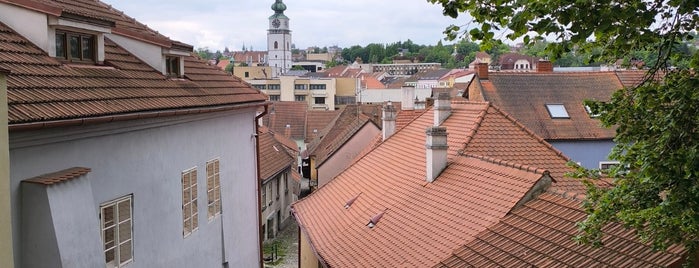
x=41 y=89
x=337 y=133
x=274 y=157
x=59 y=176
x=423 y=222
x=525 y=95
x=540 y=234
x=317 y=121
x=291 y=113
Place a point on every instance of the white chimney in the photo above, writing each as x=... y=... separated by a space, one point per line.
x=407 y=102
x=389 y=120
x=436 y=145
x=442 y=108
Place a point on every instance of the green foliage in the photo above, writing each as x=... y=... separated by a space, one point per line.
x=656 y=185
x=229 y=68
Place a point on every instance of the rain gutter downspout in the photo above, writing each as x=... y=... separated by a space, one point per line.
x=258 y=184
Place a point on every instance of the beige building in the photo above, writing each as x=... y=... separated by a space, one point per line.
x=320 y=93
x=252 y=72
x=5 y=215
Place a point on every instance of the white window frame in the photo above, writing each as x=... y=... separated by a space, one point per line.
x=190 y=213
x=119 y=225
x=213 y=188
x=557 y=111
x=589 y=112
x=601 y=163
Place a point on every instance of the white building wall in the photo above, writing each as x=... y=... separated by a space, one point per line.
x=145 y=158
x=148 y=53
x=383 y=95
x=18 y=18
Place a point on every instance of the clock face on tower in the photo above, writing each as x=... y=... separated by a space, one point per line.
x=275 y=23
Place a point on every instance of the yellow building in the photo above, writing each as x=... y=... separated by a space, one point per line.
x=5 y=216
x=252 y=72
x=321 y=93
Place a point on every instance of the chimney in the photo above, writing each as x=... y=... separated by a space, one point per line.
x=436 y=145
x=287 y=131
x=442 y=108
x=389 y=120
x=407 y=103
x=482 y=70
x=544 y=66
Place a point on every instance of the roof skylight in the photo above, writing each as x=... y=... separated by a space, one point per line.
x=557 y=111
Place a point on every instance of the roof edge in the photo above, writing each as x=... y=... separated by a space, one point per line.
x=59 y=176
x=142 y=37
x=511 y=164
x=126 y=117
x=35 y=6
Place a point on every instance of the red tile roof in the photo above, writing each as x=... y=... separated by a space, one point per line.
x=423 y=222
x=42 y=92
x=59 y=176
x=525 y=95
x=283 y=113
x=274 y=157
x=337 y=133
x=540 y=234
x=317 y=121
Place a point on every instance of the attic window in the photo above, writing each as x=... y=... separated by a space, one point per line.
x=75 y=47
x=172 y=66
x=557 y=111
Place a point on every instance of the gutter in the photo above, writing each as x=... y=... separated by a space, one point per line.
x=129 y=116
x=259 y=184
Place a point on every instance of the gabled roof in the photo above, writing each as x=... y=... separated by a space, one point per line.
x=317 y=121
x=432 y=74
x=493 y=162
x=337 y=133
x=540 y=234
x=283 y=113
x=253 y=56
x=274 y=156
x=525 y=95
x=42 y=92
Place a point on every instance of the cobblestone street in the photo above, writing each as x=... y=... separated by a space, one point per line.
x=288 y=240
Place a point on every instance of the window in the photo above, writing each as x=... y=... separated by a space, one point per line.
x=319 y=100
x=190 y=216
x=172 y=66
x=299 y=86
x=269 y=194
x=213 y=188
x=274 y=86
x=260 y=86
x=606 y=165
x=277 y=182
x=75 y=47
x=263 y=199
x=274 y=97
x=557 y=111
x=317 y=86
x=247 y=74
x=300 y=97
x=286 y=183
x=276 y=45
x=117 y=235
x=342 y=100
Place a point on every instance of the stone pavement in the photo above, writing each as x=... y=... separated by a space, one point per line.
x=288 y=238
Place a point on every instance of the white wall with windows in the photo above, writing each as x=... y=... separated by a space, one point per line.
x=143 y=161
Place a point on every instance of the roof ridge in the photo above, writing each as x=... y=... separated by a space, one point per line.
x=531 y=133
x=479 y=120
x=511 y=164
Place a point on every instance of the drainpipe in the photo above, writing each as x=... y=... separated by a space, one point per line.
x=257 y=183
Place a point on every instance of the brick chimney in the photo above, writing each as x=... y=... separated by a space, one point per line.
x=436 y=152
x=408 y=100
x=287 y=131
x=544 y=66
x=442 y=108
x=389 y=120
x=482 y=70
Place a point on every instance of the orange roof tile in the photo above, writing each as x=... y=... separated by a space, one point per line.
x=525 y=95
x=337 y=133
x=423 y=222
x=317 y=121
x=540 y=234
x=60 y=176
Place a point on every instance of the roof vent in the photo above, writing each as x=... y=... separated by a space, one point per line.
x=375 y=220
x=348 y=204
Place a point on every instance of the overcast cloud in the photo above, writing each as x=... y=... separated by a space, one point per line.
x=217 y=23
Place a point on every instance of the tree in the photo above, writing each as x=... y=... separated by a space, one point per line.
x=656 y=184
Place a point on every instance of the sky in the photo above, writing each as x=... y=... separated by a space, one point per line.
x=216 y=24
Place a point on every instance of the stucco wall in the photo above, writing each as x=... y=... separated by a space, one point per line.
x=145 y=158
x=344 y=156
x=383 y=95
x=5 y=223
x=148 y=53
x=307 y=258
x=588 y=153
x=18 y=18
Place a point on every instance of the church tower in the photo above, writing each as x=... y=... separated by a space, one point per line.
x=279 y=40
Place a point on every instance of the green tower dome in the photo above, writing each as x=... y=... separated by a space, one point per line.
x=278 y=7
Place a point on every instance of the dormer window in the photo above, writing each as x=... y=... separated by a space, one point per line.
x=172 y=66
x=75 y=47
